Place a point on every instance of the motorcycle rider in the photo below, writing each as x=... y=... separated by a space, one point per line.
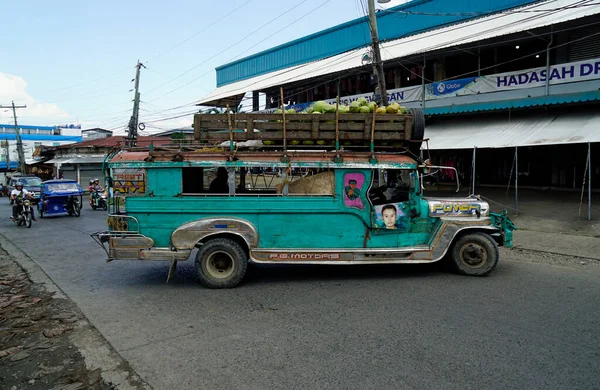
x=17 y=196
x=95 y=188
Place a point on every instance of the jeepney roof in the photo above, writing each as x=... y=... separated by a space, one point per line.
x=322 y=159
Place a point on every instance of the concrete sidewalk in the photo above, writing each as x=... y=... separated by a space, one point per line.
x=564 y=244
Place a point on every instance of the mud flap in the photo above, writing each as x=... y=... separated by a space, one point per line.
x=172 y=270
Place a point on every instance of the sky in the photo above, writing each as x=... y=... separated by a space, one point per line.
x=72 y=62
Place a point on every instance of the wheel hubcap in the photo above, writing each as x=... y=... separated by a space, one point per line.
x=220 y=265
x=473 y=255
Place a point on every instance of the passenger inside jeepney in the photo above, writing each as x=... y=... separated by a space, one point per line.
x=220 y=184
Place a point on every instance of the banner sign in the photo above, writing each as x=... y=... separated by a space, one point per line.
x=530 y=78
x=400 y=95
x=129 y=182
x=448 y=88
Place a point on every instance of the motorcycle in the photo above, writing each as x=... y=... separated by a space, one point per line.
x=24 y=214
x=99 y=200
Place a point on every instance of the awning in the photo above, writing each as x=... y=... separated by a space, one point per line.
x=533 y=16
x=33 y=161
x=59 y=160
x=467 y=132
x=77 y=160
x=87 y=160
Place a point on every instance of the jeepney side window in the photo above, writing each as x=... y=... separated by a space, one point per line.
x=308 y=182
x=286 y=181
x=192 y=180
x=390 y=186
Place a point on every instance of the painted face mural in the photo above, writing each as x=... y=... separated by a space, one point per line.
x=391 y=216
x=353 y=183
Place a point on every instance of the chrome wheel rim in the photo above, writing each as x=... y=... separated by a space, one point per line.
x=220 y=265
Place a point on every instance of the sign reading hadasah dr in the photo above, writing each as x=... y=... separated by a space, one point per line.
x=529 y=78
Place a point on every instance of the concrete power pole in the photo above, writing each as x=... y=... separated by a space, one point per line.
x=377 y=64
x=133 y=122
x=18 y=137
x=7 y=155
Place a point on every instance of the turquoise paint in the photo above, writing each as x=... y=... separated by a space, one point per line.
x=246 y=164
x=282 y=221
x=164 y=182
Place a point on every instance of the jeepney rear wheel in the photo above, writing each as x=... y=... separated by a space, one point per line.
x=475 y=254
x=221 y=263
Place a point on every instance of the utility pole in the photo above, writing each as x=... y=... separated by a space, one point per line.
x=377 y=64
x=7 y=154
x=18 y=137
x=133 y=122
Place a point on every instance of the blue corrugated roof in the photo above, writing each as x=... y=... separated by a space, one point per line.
x=355 y=34
x=40 y=137
x=27 y=127
x=13 y=165
x=515 y=103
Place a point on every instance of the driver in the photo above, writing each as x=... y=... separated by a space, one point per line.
x=95 y=188
x=17 y=196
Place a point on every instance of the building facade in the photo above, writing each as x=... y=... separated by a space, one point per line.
x=32 y=137
x=517 y=81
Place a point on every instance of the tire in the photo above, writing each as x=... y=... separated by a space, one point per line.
x=93 y=206
x=76 y=209
x=221 y=263
x=418 y=131
x=474 y=254
x=28 y=220
x=41 y=209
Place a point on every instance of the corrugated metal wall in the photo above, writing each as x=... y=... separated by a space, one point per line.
x=355 y=34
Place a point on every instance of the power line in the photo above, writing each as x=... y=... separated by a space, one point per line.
x=201 y=31
x=229 y=47
x=283 y=28
x=276 y=32
x=483 y=13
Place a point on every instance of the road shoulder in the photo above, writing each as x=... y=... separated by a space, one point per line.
x=45 y=340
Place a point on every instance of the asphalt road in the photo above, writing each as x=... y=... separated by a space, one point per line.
x=531 y=324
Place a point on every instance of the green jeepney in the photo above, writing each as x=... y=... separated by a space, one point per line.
x=290 y=207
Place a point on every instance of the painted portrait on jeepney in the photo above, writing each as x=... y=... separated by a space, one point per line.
x=353 y=187
x=390 y=216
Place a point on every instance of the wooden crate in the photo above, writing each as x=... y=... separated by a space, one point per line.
x=215 y=127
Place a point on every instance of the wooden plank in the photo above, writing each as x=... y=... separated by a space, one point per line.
x=290 y=117
x=250 y=128
x=315 y=127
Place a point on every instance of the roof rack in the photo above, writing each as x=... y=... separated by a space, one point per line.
x=373 y=131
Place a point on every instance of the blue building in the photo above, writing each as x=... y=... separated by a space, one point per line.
x=32 y=137
x=502 y=76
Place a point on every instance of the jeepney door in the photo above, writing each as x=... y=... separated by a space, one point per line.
x=390 y=217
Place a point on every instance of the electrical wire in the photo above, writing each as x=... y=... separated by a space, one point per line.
x=354 y=71
x=283 y=28
x=227 y=48
x=201 y=31
x=484 y=13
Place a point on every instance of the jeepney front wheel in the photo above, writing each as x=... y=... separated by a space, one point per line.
x=475 y=254
x=221 y=263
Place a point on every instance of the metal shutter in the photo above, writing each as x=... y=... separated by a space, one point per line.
x=86 y=175
x=586 y=48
